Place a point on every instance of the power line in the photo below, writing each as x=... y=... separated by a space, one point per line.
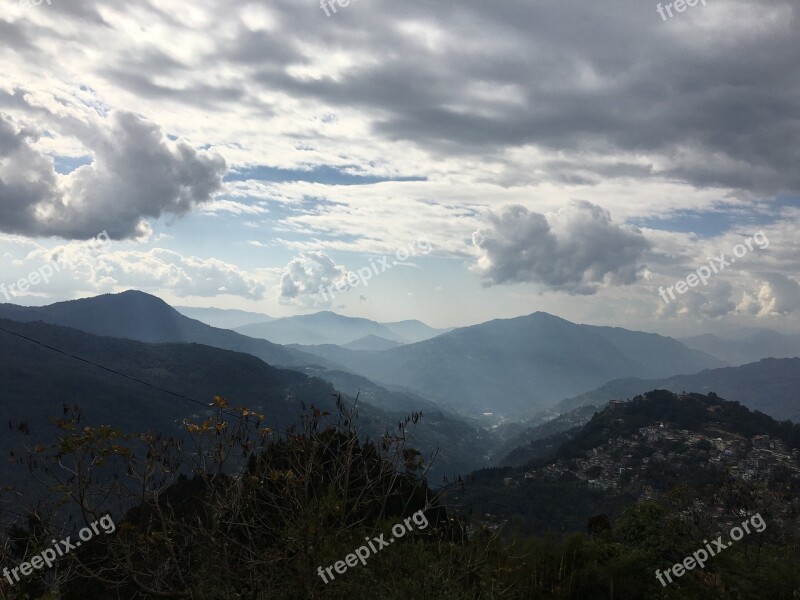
x=120 y=374
x=203 y=404
x=463 y=490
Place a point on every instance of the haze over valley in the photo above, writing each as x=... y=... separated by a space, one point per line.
x=325 y=299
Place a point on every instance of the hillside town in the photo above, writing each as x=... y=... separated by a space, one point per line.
x=645 y=463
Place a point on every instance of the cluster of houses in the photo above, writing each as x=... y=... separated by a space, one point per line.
x=627 y=464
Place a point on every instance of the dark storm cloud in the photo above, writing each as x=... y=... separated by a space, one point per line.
x=710 y=97
x=606 y=77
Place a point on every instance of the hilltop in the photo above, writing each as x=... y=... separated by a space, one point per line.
x=640 y=450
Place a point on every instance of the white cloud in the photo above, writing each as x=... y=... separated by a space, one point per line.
x=305 y=275
x=776 y=294
x=183 y=275
x=699 y=304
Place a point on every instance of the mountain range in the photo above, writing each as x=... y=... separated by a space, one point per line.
x=371 y=343
x=511 y=367
x=770 y=386
x=327 y=327
x=749 y=348
x=139 y=387
x=223 y=318
x=506 y=367
x=40 y=375
x=138 y=316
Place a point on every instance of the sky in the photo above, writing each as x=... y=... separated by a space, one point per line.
x=472 y=160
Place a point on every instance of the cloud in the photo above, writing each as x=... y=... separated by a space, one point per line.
x=707 y=100
x=776 y=294
x=234 y=208
x=576 y=250
x=491 y=103
x=711 y=303
x=161 y=269
x=137 y=174
x=97 y=267
x=63 y=268
x=303 y=276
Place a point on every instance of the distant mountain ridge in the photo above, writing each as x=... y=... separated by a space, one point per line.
x=38 y=381
x=138 y=316
x=770 y=386
x=328 y=327
x=372 y=343
x=515 y=366
x=224 y=318
x=413 y=330
x=509 y=367
x=751 y=348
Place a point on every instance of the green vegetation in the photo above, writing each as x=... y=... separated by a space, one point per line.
x=230 y=510
x=692 y=414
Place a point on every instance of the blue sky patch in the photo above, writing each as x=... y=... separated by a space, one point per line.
x=321 y=174
x=65 y=165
